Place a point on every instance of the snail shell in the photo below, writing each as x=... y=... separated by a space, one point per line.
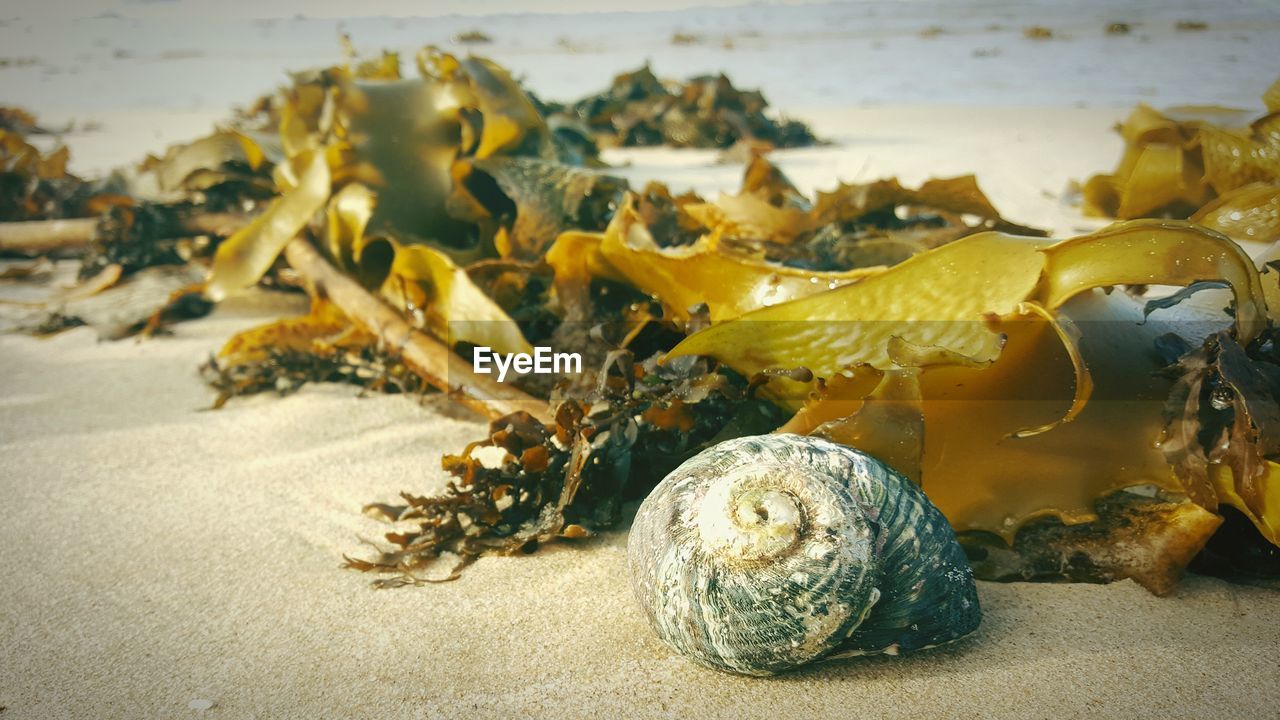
x=764 y=553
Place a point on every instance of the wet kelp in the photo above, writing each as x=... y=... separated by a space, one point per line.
x=1067 y=429
x=957 y=347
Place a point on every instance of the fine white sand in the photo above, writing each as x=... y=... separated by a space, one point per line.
x=161 y=560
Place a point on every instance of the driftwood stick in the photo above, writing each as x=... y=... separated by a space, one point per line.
x=216 y=224
x=427 y=356
x=37 y=237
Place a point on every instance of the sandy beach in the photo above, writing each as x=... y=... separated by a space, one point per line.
x=161 y=559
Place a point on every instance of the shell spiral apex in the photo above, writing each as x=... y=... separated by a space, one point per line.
x=764 y=553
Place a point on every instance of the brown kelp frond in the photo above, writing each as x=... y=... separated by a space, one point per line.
x=1222 y=426
x=532 y=201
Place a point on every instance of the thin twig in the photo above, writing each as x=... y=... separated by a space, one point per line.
x=427 y=356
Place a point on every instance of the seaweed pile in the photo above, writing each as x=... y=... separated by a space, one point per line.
x=35 y=185
x=433 y=213
x=640 y=110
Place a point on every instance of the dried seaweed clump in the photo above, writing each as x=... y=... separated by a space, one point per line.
x=36 y=185
x=322 y=346
x=640 y=110
x=530 y=482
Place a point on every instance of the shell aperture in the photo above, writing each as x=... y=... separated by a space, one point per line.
x=764 y=553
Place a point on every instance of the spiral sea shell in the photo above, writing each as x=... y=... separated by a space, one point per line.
x=764 y=553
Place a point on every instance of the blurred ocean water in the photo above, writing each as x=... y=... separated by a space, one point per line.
x=187 y=55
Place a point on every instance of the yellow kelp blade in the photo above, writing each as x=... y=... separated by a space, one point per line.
x=347 y=217
x=1153 y=173
x=421 y=280
x=425 y=283
x=1162 y=176
x=1175 y=162
x=1233 y=159
x=765 y=180
x=200 y=163
x=247 y=255
x=511 y=123
x=960 y=195
x=1271 y=98
x=683 y=277
x=1266 y=513
x=1250 y=213
x=937 y=298
x=750 y=217
x=575 y=258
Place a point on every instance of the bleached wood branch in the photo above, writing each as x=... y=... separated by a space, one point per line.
x=427 y=356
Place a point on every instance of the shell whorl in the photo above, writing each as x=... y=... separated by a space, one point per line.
x=764 y=553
